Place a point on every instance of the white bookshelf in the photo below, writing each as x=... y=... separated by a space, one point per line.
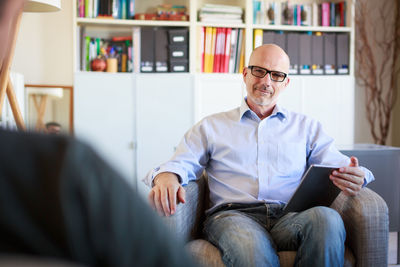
x=193 y=6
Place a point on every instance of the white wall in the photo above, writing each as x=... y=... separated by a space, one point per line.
x=43 y=52
x=362 y=129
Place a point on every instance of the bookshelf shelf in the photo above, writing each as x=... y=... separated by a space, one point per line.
x=302 y=28
x=221 y=25
x=126 y=22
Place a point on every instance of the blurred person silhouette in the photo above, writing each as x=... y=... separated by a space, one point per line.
x=59 y=200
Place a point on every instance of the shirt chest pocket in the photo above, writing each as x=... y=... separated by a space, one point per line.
x=291 y=159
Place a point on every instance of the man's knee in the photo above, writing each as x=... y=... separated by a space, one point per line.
x=326 y=222
x=242 y=241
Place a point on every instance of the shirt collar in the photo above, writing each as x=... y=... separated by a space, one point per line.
x=279 y=112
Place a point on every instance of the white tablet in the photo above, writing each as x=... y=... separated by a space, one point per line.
x=315 y=189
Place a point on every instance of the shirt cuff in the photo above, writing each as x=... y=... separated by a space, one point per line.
x=182 y=177
x=369 y=177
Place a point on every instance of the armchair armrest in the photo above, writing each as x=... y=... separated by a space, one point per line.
x=187 y=220
x=366 y=219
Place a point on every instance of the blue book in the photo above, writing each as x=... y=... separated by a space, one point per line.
x=124 y=9
x=256 y=11
x=332 y=15
x=294 y=14
x=131 y=9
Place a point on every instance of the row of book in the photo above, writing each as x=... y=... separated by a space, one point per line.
x=310 y=53
x=118 y=9
x=213 y=13
x=119 y=48
x=148 y=49
x=308 y=14
x=221 y=50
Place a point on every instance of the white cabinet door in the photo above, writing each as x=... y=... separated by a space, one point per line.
x=164 y=112
x=104 y=117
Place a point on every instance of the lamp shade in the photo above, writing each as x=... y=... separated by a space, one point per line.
x=42 y=6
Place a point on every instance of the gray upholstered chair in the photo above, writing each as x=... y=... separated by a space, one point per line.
x=365 y=217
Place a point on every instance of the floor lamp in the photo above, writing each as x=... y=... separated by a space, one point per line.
x=6 y=86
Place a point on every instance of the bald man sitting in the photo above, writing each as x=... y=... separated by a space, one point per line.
x=255 y=156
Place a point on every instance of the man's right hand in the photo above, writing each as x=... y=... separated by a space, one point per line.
x=166 y=193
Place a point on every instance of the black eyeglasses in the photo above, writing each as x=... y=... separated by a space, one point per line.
x=275 y=76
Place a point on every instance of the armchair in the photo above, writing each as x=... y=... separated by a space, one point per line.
x=365 y=217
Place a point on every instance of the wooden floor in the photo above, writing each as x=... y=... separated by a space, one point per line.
x=393 y=249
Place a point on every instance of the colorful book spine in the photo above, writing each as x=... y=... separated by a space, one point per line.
x=227 y=50
x=222 y=50
x=136 y=49
x=325 y=14
x=95 y=11
x=81 y=8
x=213 y=40
x=315 y=14
x=115 y=9
x=87 y=53
x=90 y=9
x=294 y=21
x=232 y=52
x=342 y=9
x=217 y=50
x=241 y=59
x=124 y=9
x=299 y=8
x=256 y=11
x=87 y=8
x=332 y=14
x=207 y=51
x=131 y=9
x=238 y=50
x=202 y=33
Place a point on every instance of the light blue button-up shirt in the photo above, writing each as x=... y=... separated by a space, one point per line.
x=251 y=160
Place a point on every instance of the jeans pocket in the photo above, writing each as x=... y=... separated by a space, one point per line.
x=292 y=158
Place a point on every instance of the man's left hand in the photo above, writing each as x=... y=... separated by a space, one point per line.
x=349 y=179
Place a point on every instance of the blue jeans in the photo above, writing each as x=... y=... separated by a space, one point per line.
x=251 y=235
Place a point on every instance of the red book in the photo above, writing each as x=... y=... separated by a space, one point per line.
x=121 y=38
x=222 y=58
x=342 y=13
x=217 y=54
x=222 y=50
x=227 y=50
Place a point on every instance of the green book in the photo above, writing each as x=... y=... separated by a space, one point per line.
x=87 y=8
x=87 y=56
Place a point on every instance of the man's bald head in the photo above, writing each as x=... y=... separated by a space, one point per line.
x=269 y=56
